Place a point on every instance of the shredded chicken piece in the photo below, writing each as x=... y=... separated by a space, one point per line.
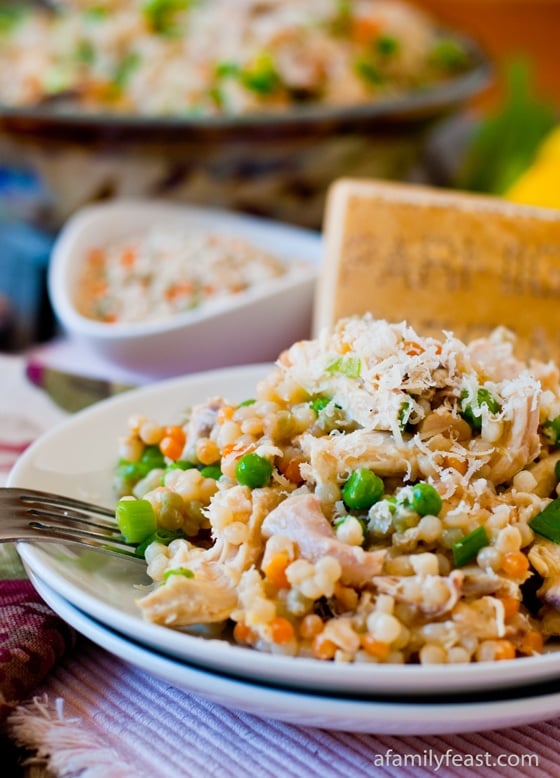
x=520 y=444
x=208 y=597
x=301 y=519
x=433 y=595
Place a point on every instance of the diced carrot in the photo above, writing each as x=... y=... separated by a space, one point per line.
x=504 y=649
x=173 y=441
x=128 y=257
x=412 y=348
x=242 y=633
x=532 y=643
x=98 y=289
x=237 y=449
x=225 y=413
x=365 y=29
x=275 y=571
x=374 y=647
x=291 y=470
x=456 y=463
x=281 y=630
x=178 y=290
x=515 y=564
x=96 y=256
x=323 y=648
x=177 y=432
x=170 y=447
x=511 y=606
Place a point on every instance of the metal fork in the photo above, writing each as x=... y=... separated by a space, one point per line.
x=28 y=514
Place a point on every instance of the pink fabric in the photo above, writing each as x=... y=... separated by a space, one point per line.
x=156 y=731
x=32 y=640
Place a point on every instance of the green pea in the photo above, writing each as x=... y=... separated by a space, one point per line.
x=152 y=458
x=426 y=499
x=449 y=54
x=471 y=411
x=386 y=45
x=253 y=470
x=211 y=471
x=362 y=489
x=551 y=431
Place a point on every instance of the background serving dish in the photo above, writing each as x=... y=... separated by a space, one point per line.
x=221 y=333
x=275 y=162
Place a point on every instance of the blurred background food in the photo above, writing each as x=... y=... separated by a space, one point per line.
x=253 y=105
x=181 y=58
x=97 y=105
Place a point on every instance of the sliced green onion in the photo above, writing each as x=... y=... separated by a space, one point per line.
x=468 y=547
x=184 y=571
x=226 y=69
x=449 y=54
x=262 y=76
x=386 y=45
x=125 y=69
x=161 y=535
x=551 y=431
x=471 y=410
x=179 y=464
x=404 y=415
x=547 y=522
x=319 y=403
x=366 y=70
x=136 y=519
x=245 y=403
x=152 y=458
x=161 y=14
x=10 y=17
x=351 y=367
x=211 y=471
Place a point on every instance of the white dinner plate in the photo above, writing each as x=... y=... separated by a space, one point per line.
x=374 y=716
x=77 y=457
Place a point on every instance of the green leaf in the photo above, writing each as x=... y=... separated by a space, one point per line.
x=506 y=142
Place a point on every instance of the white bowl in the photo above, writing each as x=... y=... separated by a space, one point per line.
x=252 y=326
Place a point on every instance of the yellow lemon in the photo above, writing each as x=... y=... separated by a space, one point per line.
x=540 y=184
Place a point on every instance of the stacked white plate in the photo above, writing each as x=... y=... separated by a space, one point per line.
x=96 y=594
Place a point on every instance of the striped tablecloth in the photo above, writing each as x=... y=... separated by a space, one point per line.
x=81 y=712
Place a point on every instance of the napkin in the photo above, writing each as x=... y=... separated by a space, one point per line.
x=32 y=637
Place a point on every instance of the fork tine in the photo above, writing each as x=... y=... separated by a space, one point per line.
x=46 y=533
x=32 y=495
x=74 y=519
x=50 y=517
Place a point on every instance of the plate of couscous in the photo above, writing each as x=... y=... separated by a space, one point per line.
x=377 y=510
